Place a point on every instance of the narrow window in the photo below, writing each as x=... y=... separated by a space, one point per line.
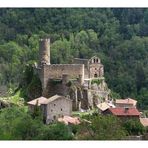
x=54 y=117
x=51 y=110
x=94 y=61
x=61 y=109
x=95 y=75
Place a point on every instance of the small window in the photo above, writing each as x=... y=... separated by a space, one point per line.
x=95 y=68
x=54 y=104
x=61 y=109
x=54 y=117
x=96 y=60
x=51 y=110
x=95 y=75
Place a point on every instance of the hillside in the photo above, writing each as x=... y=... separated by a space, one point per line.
x=118 y=36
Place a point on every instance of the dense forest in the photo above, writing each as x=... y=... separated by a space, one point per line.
x=118 y=36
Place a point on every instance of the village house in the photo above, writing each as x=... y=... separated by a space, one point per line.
x=129 y=103
x=104 y=106
x=123 y=113
x=53 y=107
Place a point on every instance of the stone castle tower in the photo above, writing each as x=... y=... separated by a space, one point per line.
x=44 y=51
x=75 y=80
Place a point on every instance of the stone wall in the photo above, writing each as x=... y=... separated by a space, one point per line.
x=81 y=61
x=56 y=109
x=55 y=87
x=56 y=71
x=96 y=70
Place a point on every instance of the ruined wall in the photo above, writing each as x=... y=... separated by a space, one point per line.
x=55 y=71
x=55 y=87
x=81 y=61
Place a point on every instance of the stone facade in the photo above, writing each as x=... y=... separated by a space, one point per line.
x=56 y=71
x=52 y=108
x=96 y=69
x=44 y=51
x=93 y=67
x=55 y=78
x=60 y=107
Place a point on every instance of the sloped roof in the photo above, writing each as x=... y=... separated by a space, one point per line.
x=68 y=119
x=51 y=99
x=103 y=106
x=124 y=111
x=43 y=100
x=40 y=100
x=144 y=121
x=126 y=101
x=94 y=57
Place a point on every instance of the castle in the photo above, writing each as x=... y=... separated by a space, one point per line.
x=82 y=80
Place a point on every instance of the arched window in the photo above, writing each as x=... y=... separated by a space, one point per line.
x=96 y=60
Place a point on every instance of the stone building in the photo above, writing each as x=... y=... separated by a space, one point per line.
x=73 y=79
x=123 y=113
x=53 y=107
x=126 y=103
x=92 y=67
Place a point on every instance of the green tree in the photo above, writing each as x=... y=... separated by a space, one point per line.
x=134 y=127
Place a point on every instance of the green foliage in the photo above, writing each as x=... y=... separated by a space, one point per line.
x=13 y=99
x=97 y=81
x=101 y=128
x=57 y=131
x=134 y=127
x=142 y=98
x=30 y=84
x=115 y=95
x=117 y=36
x=17 y=124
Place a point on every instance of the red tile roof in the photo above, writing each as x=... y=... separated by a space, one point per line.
x=68 y=119
x=124 y=111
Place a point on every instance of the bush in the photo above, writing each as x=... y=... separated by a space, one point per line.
x=101 y=128
x=17 y=124
x=134 y=127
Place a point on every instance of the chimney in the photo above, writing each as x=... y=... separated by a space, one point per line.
x=44 y=51
x=126 y=109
